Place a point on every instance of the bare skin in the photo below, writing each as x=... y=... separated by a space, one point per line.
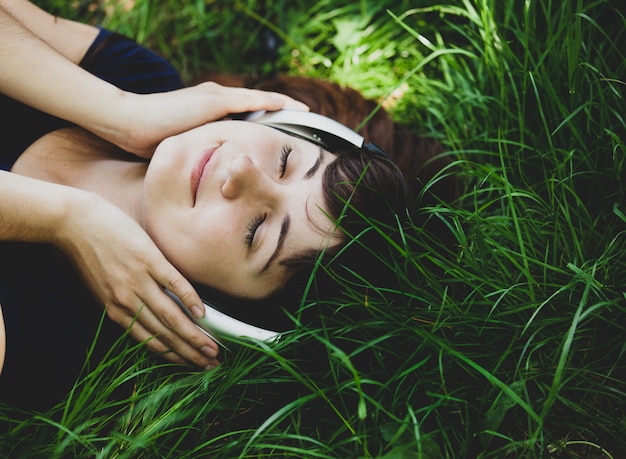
x=3 y=341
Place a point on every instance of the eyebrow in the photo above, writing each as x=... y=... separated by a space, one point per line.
x=318 y=162
x=284 y=227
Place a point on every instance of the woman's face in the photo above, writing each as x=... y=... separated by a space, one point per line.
x=228 y=201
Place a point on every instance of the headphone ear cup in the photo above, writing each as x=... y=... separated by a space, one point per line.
x=220 y=326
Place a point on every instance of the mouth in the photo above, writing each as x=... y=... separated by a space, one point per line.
x=200 y=171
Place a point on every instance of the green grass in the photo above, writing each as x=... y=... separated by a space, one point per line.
x=509 y=344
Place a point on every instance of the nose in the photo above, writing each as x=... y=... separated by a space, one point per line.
x=246 y=178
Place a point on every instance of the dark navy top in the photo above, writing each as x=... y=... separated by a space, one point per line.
x=51 y=318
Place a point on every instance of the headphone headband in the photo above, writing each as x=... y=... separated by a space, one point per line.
x=316 y=128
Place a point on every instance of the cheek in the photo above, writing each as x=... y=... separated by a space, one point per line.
x=200 y=250
x=174 y=240
x=175 y=231
x=168 y=157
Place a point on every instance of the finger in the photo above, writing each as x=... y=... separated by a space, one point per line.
x=160 y=316
x=187 y=338
x=165 y=345
x=239 y=100
x=284 y=101
x=171 y=325
x=181 y=288
x=294 y=104
x=172 y=320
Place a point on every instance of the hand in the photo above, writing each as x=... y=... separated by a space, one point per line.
x=150 y=118
x=127 y=273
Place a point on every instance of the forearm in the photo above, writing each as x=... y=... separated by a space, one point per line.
x=36 y=74
x=40 y=73
x=32 y=210
x=69 y=38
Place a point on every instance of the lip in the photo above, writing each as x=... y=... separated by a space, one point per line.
x=200 y=171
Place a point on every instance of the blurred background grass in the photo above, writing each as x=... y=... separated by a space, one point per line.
x=509 y=344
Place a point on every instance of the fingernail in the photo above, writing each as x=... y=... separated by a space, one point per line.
x=302 y=106
x=208 y=351
x=209 y=367
x=296 y=105
x=275 y=102
x=196 y=311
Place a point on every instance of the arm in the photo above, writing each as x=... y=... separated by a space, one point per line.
x=37 y=75
x=117 y=259
x=42 y=73
x=3 y=340
x=69 y=38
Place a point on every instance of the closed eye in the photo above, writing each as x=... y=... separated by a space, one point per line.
x=252 y=228
x=284 y=154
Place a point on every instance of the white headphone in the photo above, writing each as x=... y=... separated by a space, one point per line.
x=315 y=128
x=218 y=325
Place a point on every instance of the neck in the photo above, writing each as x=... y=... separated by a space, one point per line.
x=119 y=182
x=78 y=159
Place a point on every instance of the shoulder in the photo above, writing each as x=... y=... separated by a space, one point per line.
x=128 y=65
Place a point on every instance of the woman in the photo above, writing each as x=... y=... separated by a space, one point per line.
x=232 y=205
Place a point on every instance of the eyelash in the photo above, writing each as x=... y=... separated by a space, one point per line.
x=284 y=154
x=254 y=224
x=252 y=227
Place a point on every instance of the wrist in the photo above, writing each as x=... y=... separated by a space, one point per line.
x=112 y=120
x=65 y=224
x=37 y=211
x=119 y=122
